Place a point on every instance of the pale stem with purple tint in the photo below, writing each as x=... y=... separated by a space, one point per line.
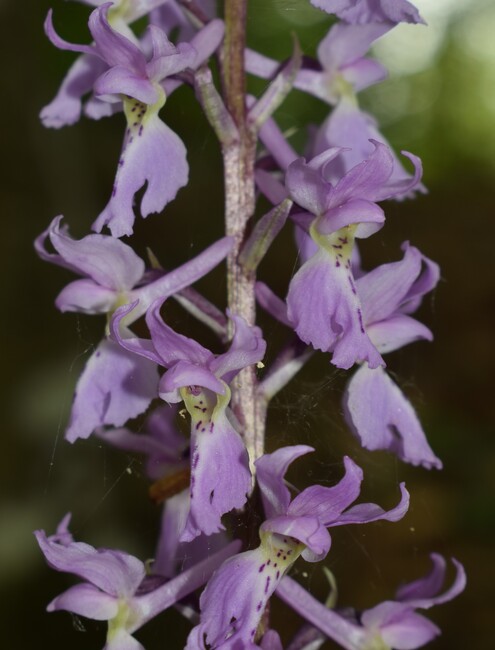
x=238 y=157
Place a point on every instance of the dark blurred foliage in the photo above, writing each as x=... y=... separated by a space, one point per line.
x=443 y=109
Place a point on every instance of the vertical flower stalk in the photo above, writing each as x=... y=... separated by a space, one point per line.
x=238 y=157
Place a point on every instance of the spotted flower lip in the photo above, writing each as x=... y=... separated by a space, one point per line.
x=234 y=600
x=393 y=623
x=113 y=588
x=371 y=11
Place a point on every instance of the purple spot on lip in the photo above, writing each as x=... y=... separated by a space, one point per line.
x=360 y=316
x=141 y=130
x=198 y=425
x=261 y=569
x=267 y=585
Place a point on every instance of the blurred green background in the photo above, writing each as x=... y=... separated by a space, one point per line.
x=439 y=103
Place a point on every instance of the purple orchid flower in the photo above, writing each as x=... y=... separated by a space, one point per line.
x=152 y=153
x=116 y=588
x=323 y=303
x=391 y=624
x=66 y=107
x=201 y=379
x=375 y=408
x=235 y=598
x=371 y=11
x=341 y=66
x=115 y=385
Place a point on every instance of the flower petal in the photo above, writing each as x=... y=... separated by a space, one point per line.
x=346 y=43
x=155 y=155
x=166 y=65
x=365 y=513
x=114 y=572
x=409 y=632
x=114 y=387
x=368 y=216
x=383 y=289
x=183 y=374
x=308 y=530
x=172 y=346
x=107 y=261
x=247 y=347
x=328 y=503
x=325 y=311
x=86 y=600
x=396 y=332
x=270 y=472
x=382 y=418
x=112 y=46
x=306 y=184
x=220 y=476
x=61 y=43
x=232 y=603
x=423 y=593
x=65 y=107
x=119 y=80
x=371 y=11
x=366 y=179
x=86 y=297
